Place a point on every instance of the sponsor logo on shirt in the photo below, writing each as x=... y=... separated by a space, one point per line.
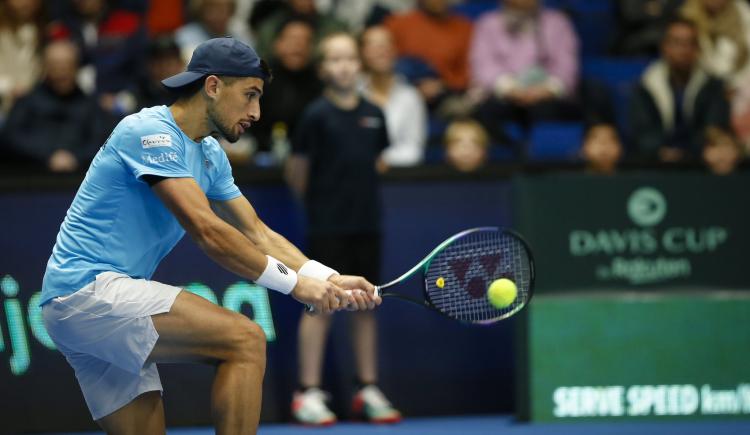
x=370 y=122
x=156 y=140
x=160 y=158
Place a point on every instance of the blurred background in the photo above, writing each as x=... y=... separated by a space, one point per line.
x=613 y=134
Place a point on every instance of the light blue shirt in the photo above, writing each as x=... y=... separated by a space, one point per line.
x=116 y=223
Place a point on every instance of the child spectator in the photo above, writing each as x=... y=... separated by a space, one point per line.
x=335 y=151
x=466 y=145
x=601 y=149
x=721 y=152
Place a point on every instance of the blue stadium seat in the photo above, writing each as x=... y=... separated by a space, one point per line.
x=555 y=141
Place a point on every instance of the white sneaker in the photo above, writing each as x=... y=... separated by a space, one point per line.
x=309 y=407
x=371 y=404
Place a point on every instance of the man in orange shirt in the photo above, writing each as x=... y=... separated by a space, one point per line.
x=440 y=38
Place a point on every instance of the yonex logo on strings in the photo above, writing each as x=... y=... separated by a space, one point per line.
x=477 y=284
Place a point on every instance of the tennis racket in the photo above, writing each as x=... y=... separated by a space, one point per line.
x=457 y=273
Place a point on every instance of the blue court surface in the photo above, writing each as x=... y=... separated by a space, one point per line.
x=501 y=425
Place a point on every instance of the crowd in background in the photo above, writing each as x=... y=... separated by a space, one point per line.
x=465 y=82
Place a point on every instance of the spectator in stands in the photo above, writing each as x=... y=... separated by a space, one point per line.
x=56 y=124
x=433 y=35
x=163 y=60
x=323 y=23
x=210 y=19
x=724 y=35
x=524 y=57
x=466 y=145
x=22 y=26
x=640 y=24
x=165 y=16
x=361 y=14
x=721 y=152
x=336 y=146
x=676 y=99
x=112 y=43
x=601 y=149
x=295 y=85
x=404 y=109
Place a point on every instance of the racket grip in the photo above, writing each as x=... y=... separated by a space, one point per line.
x=310 y=309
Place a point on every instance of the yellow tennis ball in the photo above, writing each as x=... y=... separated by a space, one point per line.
x=502 y=292
x=440 y=282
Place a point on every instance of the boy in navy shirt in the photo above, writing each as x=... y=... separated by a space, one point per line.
x=335 y=153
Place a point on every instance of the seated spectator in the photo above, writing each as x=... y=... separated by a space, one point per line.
x=324 y=24
x=721 y=152
x=56 y=124
x=295 y=85
x=210 y=19
x=366 y=13
x=112 y=43
x=601 y=149
x=676 y=100
x=163 y=60
x=466 y=145
x=524 y=57
x=405 y=112
x=724 y=35
x=436 y=36
x=164 y=16
x=640 y=24
x=22 y=26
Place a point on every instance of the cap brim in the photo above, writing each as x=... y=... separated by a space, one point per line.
x=181 y=79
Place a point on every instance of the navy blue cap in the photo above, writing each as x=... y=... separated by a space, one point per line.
x=220 y=56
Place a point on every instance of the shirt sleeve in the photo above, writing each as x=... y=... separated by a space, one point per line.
x=223 y=188
x=151 y=149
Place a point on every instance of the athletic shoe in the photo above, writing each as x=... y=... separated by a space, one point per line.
x=370 y=403
x=309 y=408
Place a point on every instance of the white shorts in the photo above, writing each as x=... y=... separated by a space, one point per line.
x=106 y=333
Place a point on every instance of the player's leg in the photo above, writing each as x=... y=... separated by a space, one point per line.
x=197 y=330
x=144 y=415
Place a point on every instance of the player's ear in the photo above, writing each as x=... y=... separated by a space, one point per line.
x=211 y=86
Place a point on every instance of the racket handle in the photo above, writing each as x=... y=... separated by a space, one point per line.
x=310 y=309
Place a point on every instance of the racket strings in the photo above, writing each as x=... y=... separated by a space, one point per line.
x=467 y=267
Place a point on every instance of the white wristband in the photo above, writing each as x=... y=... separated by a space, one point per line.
x=277 y=276
x=316 y=270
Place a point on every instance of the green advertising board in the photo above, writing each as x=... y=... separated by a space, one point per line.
x=632 y=231
x=636 y=355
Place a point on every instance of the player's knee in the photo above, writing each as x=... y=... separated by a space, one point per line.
x=248 y=341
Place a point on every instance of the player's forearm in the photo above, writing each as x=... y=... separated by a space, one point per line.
x=275 y=245
x=228 y=247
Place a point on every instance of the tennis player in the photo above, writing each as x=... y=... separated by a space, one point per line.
x=162 y=173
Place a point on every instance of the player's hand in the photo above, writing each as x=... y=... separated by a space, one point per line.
x=324 y=296
x=362 y=291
